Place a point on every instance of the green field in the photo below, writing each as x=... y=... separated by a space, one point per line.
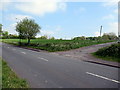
x=111 y=53
x=10 y=79
x=55 y=45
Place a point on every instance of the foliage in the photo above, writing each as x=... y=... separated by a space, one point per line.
x=0 y=28
x=13 y=36
x=27 y=28
x=55 y=45
x=109 y=36
x=43 y=37
x=112 y=51
x=5 y=34
x=52 y=38
x=79 y=38
x=10 y=79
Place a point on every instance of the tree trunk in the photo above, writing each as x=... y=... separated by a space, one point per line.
x=28 y=41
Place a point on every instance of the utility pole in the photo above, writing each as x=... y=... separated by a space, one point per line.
x=100 y=30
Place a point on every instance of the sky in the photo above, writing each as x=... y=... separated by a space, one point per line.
x=62 y=18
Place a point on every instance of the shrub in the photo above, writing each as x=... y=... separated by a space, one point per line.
x=112 y=51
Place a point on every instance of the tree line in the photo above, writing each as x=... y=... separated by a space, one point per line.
x=105 y=36
x=28 y=29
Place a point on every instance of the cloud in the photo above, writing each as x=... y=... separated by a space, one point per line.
x=58 y=28
x=41 y=7
x=18 y=17
x=62 y=6
x=4 y=4
x=110 y=3
x=10 y=28
x=97 y=34
x=80 y=10
x=47 y=32
x=113 y=27
x=116 y=11
x=108 y=17
x=14 y=18
x=51 y=32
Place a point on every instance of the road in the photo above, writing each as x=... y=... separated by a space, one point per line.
x=46 y=70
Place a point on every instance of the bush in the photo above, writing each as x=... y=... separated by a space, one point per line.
x=111 y=51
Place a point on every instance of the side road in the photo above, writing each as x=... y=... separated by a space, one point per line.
x=84 y=53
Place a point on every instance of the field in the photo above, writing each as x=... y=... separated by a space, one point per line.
x=10 y=79
x=111 y=53
x=55 y=45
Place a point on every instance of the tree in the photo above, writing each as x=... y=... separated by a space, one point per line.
x=27 y=28
x=5 y=34
x=79 y=38
x=0 y=29
x=43 y=37
x=109 y=36
x=52 y=38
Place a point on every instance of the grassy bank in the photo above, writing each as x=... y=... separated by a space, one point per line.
x=55 y=45
x=111 y=53
x=10 y=79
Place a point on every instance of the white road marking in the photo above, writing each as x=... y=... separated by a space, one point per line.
x=23 y=52
x=46 y=81
x=67 y=55
x=8 y=47
x=13 y=49
x=43 y=59
x=103 y=77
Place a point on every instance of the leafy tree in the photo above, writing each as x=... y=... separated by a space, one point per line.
x=5 y=34
x=43 y=37
x=109 y=36
x=79 y=38
x=52 y=38
x=13 y=36
x=0 y=29
x=27 y=28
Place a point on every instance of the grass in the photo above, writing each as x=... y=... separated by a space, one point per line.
x=107 y=58
x=10 y=79
x=111 y=53
x=55 y=45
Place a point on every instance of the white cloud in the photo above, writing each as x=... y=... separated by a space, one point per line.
x=4 y=4
x=41 y=7
x=10 y=28
x=97 y=34
x=62 y=6
x=14 y=18
x=80 y=10
x=58 y=28
x=113 y=27
x=110 y=3
x=116 y=11
x=51 y=32
x=18 y=17
x=108 y=17
x=47 y=32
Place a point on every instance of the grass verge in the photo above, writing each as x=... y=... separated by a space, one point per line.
x=110 y=53
x=107 y=58
x=10 y=79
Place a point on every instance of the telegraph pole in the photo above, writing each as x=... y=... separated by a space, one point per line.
x=100 y=30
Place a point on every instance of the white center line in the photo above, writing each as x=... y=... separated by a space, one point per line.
x=23 y=52
x=43 y=59
x=103 y=77
x=13 y=49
